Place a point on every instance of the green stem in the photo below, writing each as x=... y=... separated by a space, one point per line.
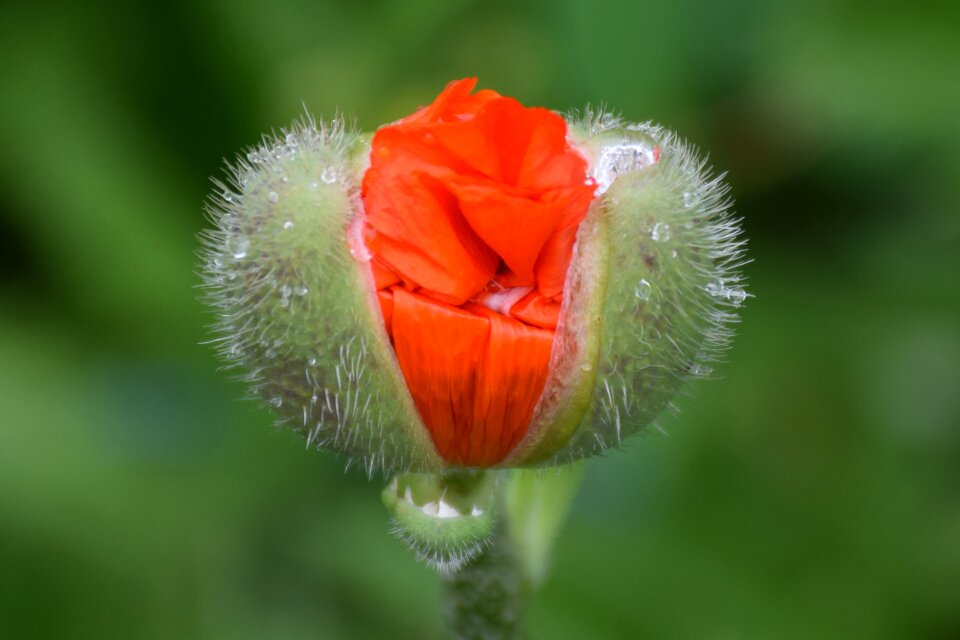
x=484 y=599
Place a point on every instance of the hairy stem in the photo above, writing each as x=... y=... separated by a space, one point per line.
x=484 y=599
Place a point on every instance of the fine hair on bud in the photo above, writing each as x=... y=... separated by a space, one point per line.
x=674 y=287
x=290 y=302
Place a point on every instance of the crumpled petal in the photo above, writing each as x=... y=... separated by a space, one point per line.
x=472 y=206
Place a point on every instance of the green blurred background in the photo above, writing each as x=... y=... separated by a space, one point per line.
x=813 y=491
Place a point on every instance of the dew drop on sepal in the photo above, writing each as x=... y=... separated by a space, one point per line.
x=661 y=232
x=643 y=290
x=719 y=289
x=237 y=246
x=615 y=160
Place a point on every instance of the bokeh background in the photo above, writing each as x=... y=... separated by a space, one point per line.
x=812 y=491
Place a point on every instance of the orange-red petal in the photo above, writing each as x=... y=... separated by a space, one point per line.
x=475 y=375
x=537 y=310
x=422 y=235
x=383 y=275
x=514 y=373
x=440 y=349
x=473 y=198
x=554 y=259
x=453 y=103
x=514 y=226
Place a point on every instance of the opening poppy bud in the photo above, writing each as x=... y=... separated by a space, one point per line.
x=480 y=284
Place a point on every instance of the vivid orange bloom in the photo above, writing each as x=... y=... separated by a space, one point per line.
x=472 y=206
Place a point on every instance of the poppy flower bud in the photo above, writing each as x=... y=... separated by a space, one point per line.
x=477 y=285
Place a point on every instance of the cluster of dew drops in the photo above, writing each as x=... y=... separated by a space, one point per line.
x=237 y=245
x=633 y=156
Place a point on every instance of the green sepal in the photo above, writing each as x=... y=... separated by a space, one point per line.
x=447 y=519
x=295 y=301
x=672 y=253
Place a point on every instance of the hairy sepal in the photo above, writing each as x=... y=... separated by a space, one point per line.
x=296 y=312
x=446 y=520
x=659 y=311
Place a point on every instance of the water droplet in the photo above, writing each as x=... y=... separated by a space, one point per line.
x=237 y=245
x=285 y=292
x=615 y=160
x=700 y=370
x=284 y=179
x=674 y=254
x=643 y=290
x=586 y=366
x=661 y=232
x=291 y=140
x=253 y=157
x=288 y=224
x=276 y=402
x=715 y=288
x=690 y=199
x=733 y=295
x=736 y=295
x=273 y=196
x=328 y=175
x=301 y=291
x=312 y=362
